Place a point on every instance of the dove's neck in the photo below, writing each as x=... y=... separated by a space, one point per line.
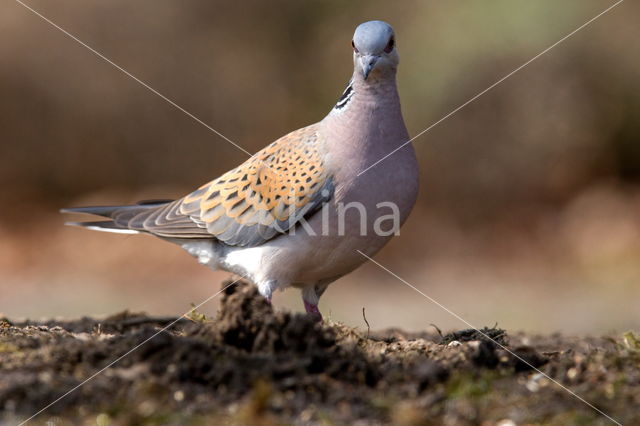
x=365 y=127
x=366 y=122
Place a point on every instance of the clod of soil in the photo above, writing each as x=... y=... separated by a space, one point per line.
x=254 y=365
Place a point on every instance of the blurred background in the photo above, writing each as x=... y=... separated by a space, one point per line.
x=529 y=212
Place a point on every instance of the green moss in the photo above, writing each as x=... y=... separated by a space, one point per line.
x=471 y=384
x=631 y=341
x=196 y=316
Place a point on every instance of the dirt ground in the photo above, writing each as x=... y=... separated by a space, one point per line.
x=251 y=365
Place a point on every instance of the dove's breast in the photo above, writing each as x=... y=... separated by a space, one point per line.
x=366 y=209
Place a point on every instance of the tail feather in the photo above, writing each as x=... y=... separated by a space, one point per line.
x=108 y=211
x=104 y=211
x=104 y=226
x=119 y=216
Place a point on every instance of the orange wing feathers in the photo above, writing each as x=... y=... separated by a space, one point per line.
x=267 y=194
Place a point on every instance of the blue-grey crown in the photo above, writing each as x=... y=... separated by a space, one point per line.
x=372 y=37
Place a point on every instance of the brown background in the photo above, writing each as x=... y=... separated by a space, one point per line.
x=529 y=210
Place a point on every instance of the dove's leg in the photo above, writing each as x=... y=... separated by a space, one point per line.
x=311 y=296
x=313 y=310
x=321 y=287
x=311 y=299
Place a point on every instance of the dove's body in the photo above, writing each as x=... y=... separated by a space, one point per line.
x=310 y=258
x=303 y=182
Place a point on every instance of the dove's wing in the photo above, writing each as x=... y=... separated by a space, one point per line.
x=265 y=196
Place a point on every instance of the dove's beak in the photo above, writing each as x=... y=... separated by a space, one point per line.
x=368 y=63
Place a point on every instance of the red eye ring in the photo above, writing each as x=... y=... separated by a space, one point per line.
x=390 y=45
x=355 y=49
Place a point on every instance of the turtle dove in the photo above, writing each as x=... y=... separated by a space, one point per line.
x=296 y=213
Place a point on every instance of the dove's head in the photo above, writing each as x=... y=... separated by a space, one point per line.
x=374 y=49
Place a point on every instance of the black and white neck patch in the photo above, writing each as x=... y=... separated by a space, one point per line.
x=346 y=97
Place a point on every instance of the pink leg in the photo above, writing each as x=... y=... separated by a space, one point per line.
x=313 y=310
x=268 y=299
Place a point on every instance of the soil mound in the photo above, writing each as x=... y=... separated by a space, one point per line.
x=251 y=364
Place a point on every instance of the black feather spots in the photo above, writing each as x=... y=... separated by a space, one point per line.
x=237 y=204
x=213 y=195
x=245 y=213
x=346 y=96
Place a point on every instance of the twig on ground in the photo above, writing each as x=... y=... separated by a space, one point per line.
x=367 y=322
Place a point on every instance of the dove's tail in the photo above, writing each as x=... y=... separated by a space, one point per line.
x=117 y=216
x=104 y=226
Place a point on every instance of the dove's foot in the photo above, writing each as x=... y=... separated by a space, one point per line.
x=313 y=311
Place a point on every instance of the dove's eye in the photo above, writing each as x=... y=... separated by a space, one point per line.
x=390 y=45
x=355 y=49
